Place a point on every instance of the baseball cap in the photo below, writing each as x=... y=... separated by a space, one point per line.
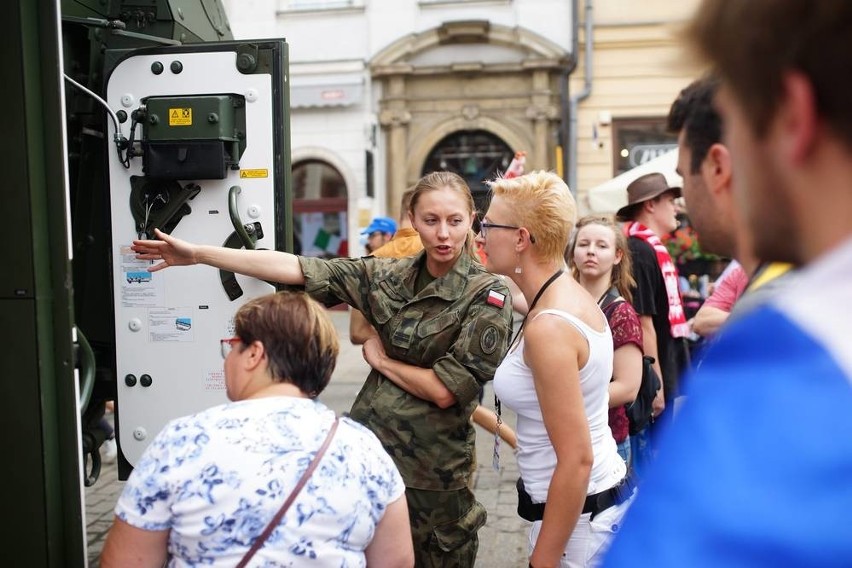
x=381 y=224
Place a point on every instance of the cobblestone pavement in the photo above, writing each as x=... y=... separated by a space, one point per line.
x=503 y=540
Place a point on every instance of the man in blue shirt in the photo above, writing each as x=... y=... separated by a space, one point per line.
x=758 y=471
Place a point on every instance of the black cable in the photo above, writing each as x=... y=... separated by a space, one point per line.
x=128 y=153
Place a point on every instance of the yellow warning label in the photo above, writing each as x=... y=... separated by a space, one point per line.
x=254 y=173
x=180 y=117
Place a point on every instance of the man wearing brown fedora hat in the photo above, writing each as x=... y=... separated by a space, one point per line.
x=643 y=189
x=649 y=214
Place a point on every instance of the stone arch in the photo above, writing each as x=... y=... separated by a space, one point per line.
x=350 y=181
x=330 y=157
x=415 y=113
x=420 y=151
x=468 y=32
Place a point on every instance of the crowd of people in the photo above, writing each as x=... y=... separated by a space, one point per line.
x=741 y=447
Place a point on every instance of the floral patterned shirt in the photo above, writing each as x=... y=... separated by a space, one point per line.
x=216 y=478
x=626 y=329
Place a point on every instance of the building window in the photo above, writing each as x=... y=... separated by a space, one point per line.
x=320 y=225
x=370 y=167
x=476 y=155
x=639 y=140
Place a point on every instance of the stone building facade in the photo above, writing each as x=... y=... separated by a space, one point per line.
x=383 y=91
x=496 y=93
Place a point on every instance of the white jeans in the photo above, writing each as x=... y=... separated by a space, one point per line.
x=590 y=539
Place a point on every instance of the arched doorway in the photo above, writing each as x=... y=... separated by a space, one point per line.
x=476 y=155
x=319 y=210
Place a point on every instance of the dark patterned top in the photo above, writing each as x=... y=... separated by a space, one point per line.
x=626 y=329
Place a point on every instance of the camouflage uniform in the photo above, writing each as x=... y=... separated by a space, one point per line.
x=458 y=326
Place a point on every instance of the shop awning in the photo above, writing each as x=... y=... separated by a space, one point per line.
x=611 y=195
x=326 y=91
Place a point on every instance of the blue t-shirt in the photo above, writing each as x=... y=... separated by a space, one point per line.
x=757 y=468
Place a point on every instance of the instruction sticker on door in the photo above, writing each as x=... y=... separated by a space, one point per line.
x=170 y=324
x=139 y=288
x=180 y=117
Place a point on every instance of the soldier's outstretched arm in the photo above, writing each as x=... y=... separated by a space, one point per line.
x=270 y=265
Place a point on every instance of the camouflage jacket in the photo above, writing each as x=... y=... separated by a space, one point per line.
x=458 y=325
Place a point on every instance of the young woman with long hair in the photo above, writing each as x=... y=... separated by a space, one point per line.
x=600 y=262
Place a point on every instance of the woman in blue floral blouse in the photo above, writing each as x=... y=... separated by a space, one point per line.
x=209 y=483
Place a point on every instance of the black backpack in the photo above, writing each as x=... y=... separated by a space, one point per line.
x=640 y=412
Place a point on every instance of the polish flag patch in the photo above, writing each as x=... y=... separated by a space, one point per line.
x=496 y=298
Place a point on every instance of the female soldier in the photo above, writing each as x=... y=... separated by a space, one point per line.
x=443 y=325
x=555 y=377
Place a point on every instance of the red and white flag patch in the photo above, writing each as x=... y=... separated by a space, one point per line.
x=495 y=298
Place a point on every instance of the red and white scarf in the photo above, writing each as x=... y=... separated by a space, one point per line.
x=677 y=318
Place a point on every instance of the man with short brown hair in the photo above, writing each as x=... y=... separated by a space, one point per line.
x=704 y=162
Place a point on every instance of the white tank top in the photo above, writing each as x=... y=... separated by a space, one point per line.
x=513 y=384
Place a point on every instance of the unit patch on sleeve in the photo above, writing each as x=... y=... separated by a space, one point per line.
x=495 y=298
x=488 y=340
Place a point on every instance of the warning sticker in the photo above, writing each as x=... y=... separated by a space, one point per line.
x=254 y=173
x=180 y=117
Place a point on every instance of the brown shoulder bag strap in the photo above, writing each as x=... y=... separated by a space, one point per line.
x=292 y=497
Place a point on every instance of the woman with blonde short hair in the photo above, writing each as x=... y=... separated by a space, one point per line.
x=573 y=484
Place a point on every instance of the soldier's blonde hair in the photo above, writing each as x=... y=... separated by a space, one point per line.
x=405 y=202
x=454 y=182
x=542 y=203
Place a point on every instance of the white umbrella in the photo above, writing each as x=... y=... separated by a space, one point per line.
x=611 y=195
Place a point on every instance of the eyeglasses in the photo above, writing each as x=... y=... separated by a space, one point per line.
x=226 y=345
x=484 y=226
